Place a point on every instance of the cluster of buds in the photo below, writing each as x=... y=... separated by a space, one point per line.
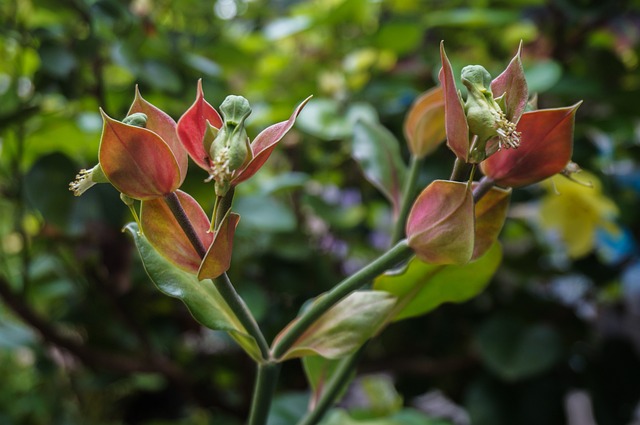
x=512 y=147
x=145 y=157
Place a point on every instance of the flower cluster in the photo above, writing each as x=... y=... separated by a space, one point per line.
x=145 y=157
x=512 y=146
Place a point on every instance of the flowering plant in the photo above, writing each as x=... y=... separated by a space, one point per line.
x=451 y=227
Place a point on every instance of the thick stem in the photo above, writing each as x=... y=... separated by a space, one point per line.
x=387 y=260
x=484 y=186
x=333 y=388
x=223 y=284
x=266 y=381
x=175 y=206
x=242 y=312
x=408 y=193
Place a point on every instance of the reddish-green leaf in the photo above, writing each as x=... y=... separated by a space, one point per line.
x=424 y=127
x=218 y=258
x=167 y=237
x=192 y=126
x=455 y=119
x=440 y=227
x=266 y=142
x=491 y=212
x=137 y=161
x=345 y=327
x=513 y=85
x=546 y=146
x=165 y=127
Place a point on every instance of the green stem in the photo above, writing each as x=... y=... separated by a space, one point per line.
x=387 y=260
x=333 y=388
x=408 y=193
x=173 y=202
x=242 y=312
x=222 y=283
x=266 y=381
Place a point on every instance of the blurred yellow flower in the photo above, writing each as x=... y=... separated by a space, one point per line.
x=577 y=211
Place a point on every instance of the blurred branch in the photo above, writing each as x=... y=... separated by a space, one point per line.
x=150 y=363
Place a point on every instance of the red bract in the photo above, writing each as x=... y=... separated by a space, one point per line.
x=545 y=149
x=508 y=97
x=445 y=227
x=142 y=163
x=193 y=124
x=164 y=233
x=440 y=224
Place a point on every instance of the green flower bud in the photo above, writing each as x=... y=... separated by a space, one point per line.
x=484 y=115
x=137 y=119
x=228 y=147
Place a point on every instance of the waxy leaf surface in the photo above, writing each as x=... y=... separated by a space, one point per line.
x=165 y=127
x=165 y=234
x=137 y=161
x=345 y=327
x=201 y=297
x=513 y=85
x=440 y=226
x=491 y=213
x=423 y=287
x=455 y=118
x=192 y=126
x=546 y=145
x=218 y=258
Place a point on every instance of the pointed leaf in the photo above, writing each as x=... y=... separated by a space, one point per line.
x=546 y=145
x=165 y=127
x=455 y=119
x=192 y=126
x=491 y=213
x=201 y=297
x=165 y=234
x=423 y=287
x=440 y=223
x=345 y=327
x=513 y=85
x=266 y=142
x=377 y=152
x=424 y=127
x=218 y=258
x=137 y=161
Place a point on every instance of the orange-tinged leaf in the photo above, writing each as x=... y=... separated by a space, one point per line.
x=546 y=145
x=165 y=127
x=424 y=127
x=455 y=119
x=137 y=161
x=165 y=234
x=218 y=258
x=491 y=213
x=266 y=142
x=192 y=126
x=440 y=226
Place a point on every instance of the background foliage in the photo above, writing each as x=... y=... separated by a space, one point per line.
x=85 y=338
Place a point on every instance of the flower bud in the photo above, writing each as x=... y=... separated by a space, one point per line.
x=228 y=147
x=137 y=119
x=484 y=116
